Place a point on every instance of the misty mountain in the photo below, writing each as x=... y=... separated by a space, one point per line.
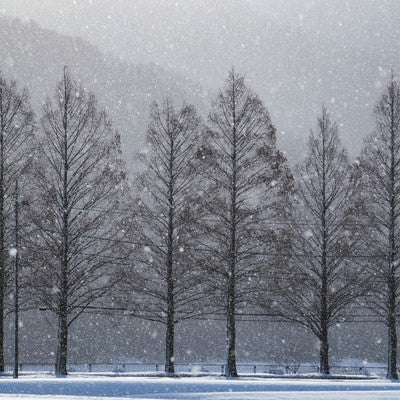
x=295 y=54
x=35 y=58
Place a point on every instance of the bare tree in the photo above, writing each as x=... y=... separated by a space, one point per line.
x=380 y=167
x=324 y=276
x=16 y=148
x=243 y=174
x=79 y=178
x=165 y=281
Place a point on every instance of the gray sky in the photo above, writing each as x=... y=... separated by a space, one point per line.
x=295 y=54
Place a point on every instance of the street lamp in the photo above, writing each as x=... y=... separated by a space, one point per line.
x=14 y=254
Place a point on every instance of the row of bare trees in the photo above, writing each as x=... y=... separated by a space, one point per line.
x=232 y=222
x=201 y=201
x=216 y=222
x=344 y=243
x=72 y=178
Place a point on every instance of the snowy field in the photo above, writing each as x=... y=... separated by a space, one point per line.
x=88 y=387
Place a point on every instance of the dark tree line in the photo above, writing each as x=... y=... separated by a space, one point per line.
x=218 y=221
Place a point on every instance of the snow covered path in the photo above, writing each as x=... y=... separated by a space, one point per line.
x=96 y=388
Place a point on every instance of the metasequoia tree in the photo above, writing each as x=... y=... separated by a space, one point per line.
x=79 y=178
x=16 y=148
x=243 y=176
x=165 y=281
x=380 y=168
x=324 y=276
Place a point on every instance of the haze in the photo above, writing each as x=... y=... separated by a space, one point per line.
x=295 y=54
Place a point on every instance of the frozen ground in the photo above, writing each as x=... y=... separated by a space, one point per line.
x=80 y=387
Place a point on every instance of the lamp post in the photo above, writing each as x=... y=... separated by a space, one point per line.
x=14 y=253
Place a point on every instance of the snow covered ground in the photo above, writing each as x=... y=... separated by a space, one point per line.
x=89 y=387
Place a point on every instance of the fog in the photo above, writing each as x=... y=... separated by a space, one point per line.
x=295 y=54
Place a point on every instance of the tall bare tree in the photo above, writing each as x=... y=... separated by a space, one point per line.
x=165 y=281
x=243 y=174
x=380 y=167
x=79 y=179
x=16 y=148
x=324 y=277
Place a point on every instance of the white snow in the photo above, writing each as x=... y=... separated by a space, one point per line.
x=85 y=387
x=13 y=252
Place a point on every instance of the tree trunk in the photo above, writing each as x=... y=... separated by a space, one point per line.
x=392 y=287
x=169 y=348
x=170 y=333
x=392 y=361
x=2 y=273
x=62 y=334
x=230 y=368
x=62 y=345
x=2 y=236
x=392 y=334
x=324 y=321
x=324 y=352
x=2 y=288
x=324 y=318
x=169 y=340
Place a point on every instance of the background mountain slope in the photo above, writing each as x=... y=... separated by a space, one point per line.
x=35 y=58
x=297 y=54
